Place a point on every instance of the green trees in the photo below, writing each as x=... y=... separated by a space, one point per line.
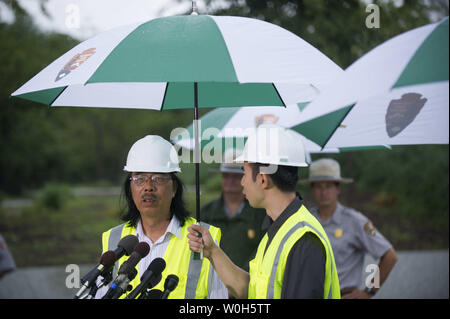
x=87 y=145
x=77 y=145
x=415 y=177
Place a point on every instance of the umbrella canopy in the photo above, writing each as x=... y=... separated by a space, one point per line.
x=179 y=62
x=235 y=61
x=397 y=94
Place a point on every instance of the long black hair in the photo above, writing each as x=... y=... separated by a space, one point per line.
x=178 y=208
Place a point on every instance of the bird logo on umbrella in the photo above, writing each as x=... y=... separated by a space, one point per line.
x=74 y=63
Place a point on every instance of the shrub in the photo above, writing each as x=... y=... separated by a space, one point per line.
x=54 y=196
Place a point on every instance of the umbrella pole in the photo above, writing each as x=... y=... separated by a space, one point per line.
x=196 y=155
x=197 y=256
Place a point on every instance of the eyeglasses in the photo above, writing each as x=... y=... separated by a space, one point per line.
x=140 y=180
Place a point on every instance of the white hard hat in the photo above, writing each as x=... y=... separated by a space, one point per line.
x=274 y=144
x=152 y=154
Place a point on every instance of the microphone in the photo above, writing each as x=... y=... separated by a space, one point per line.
x=169 y=285
x=107 y=260
x=153 y=282
x=126 y=246
x=154 y=294
x=154 y=270
x=122 y=284
x=107 y=278
x=127 y=271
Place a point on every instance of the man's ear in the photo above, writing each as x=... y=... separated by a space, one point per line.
x=266 y=181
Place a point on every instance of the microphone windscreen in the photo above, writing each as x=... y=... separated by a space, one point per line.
x=108 y=258
x=142 y=249
x=154 y=281
x=155 y=294
x=128 y=269
x=171 y=282
x=128 y=243
x=157 y=265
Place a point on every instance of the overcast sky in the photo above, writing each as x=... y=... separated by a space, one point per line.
x=85 y=18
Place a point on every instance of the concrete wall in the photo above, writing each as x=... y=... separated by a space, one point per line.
x=418 y=274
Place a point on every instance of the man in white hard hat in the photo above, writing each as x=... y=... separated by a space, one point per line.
x=351 y=233
x=294 y=259
x=241 y=224
x=157 y=215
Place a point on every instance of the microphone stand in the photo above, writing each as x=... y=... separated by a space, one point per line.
x=92 y=292
x=144 y=294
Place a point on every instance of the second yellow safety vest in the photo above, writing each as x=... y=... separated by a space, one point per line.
x=267 y=269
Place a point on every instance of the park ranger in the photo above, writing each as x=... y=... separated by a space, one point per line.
x=351 y=234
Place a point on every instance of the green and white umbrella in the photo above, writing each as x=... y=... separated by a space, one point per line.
x=224 y=128
x=179 y=62
x=397 y=94
x=235 y=61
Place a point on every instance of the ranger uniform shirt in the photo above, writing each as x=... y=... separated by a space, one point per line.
x=351 y=235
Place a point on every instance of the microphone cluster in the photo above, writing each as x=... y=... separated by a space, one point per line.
x=129 y=246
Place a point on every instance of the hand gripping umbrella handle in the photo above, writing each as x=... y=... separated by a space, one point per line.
x=199 y=256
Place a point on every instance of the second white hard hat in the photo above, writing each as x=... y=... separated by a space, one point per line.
x=152 y=154
x=274 y=144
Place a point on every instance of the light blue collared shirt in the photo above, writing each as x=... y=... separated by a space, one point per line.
x=351 y=235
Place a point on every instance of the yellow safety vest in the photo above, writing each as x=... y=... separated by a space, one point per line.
x=267 y=269
x=192 y=274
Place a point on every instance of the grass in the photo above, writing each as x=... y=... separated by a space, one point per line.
x=38 y=235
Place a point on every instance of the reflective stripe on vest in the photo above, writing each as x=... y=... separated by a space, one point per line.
x=114 y=238
x=192 y=275
x=267 y=269
x=271 y=290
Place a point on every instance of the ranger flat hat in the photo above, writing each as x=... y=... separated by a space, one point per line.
x=325 y=170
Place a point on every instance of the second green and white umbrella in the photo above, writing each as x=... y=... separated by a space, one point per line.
x=224 y=128
x=397 y=94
